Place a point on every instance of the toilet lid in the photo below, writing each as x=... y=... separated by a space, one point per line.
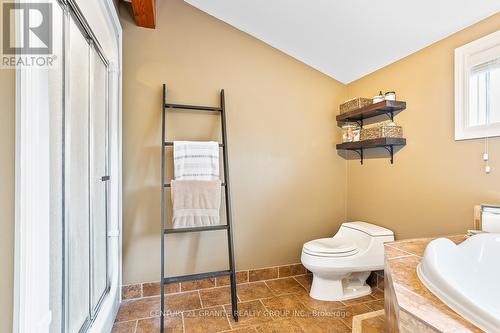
x=330 y=246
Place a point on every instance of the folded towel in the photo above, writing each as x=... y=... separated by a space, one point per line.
x=196 y=203
x=196 y=160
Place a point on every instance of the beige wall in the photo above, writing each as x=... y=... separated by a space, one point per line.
x=288 y=182
x=7 y=158
x=435 y=180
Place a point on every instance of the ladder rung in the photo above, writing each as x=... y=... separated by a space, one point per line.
x=170 y=143
x=168 y=184
x=197 y=229
x=193 y=107
x=198 y=276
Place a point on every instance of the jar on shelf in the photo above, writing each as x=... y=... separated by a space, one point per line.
x=390 y=96
x=350 y=132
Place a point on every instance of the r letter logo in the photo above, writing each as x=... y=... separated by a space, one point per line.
x=27 y=30
x=35 y=35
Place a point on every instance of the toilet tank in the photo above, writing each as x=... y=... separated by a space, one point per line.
x=366 y=235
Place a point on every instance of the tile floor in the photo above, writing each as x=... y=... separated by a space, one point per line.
x=279 y=305
x=372 y=322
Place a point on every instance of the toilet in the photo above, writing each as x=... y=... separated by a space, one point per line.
x=341 y=264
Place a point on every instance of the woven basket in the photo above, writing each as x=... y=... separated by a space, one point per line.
x=354 y=104
x=382 y=131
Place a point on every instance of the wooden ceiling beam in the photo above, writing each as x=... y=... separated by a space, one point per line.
x=145 y=13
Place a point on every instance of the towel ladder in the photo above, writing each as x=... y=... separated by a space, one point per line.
x=231 y=272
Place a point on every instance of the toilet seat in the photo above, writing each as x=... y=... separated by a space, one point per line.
x=330 y=247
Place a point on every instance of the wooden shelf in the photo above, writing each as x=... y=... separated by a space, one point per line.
x=386 y=143
x=385 y=107
x=373 y=143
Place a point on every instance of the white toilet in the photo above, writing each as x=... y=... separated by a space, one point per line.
x=341 y=264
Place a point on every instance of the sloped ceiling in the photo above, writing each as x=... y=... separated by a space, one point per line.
x=347 y=39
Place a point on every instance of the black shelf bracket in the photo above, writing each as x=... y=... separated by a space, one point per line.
x=390 y=114
x=390 y=149
x=361 y=154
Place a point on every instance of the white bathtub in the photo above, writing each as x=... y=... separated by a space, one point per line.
x=466 y=277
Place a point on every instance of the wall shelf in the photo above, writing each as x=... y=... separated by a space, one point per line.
x=359 y=146
x=389 y=108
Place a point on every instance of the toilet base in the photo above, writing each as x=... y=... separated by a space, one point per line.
x=329 y=289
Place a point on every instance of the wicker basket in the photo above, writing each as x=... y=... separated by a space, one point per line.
x=354 y=104
x=382 y=131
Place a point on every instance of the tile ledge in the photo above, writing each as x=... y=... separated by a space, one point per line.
x=449 y=316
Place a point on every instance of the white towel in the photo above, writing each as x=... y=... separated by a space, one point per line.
x=196 y=160
x=196 y=203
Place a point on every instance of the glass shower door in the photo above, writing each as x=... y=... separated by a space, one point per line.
x=98 y=179
x=77 y=208
x=86 y=181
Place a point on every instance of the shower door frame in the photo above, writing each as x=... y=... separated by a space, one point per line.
x=79 y=20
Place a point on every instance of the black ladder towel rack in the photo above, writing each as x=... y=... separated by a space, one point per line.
x=231 y=272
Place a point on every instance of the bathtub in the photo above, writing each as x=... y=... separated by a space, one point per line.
x=466 y=277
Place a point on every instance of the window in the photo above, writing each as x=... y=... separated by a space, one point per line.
x=477 y=88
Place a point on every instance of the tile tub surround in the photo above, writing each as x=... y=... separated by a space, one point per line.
x=281 y=304
x=409 y=305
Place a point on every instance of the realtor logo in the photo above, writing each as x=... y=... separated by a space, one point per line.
x=27 y=34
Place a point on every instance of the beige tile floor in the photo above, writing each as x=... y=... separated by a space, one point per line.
x=275 y=306
x=372 y=322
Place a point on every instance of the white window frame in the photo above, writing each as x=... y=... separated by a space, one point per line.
x=463 y=57
x=32 y=280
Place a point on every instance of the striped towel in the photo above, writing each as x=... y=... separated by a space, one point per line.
x=196 y=160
